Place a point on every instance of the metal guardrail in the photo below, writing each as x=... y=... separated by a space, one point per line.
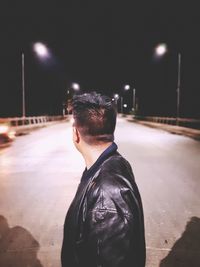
x=184 y=122
x=20 y=123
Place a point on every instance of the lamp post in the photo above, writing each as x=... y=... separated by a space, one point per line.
x=134 y=102
x=178 y=89
x=23 y=89
x=122 y=104
x=160 y=50
x=127 y=87
x=42 y=52
x=76 y=88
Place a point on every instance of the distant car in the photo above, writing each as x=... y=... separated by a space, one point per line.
x=7 y=134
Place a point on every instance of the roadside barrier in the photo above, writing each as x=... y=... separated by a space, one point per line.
x=184 y=122
x=20 y=124
x=186 y=127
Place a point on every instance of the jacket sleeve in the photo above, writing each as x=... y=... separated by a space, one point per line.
x=109 y=228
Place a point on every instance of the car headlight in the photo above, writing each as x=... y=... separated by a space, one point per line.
x=3 y=129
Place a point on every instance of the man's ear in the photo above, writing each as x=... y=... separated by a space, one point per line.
x=76 y=135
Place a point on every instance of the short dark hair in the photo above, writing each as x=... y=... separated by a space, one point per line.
x=95 y=117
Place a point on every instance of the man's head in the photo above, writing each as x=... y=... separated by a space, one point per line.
x=94 y=118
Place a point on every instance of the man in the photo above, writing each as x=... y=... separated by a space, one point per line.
x=104 y=226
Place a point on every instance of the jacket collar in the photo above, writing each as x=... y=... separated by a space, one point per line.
x=106 y=154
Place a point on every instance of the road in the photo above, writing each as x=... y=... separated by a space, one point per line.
x=39 y=174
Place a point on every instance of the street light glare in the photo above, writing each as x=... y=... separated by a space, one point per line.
x=41 y=50
x=75 y=86
x=161 y=49
x=127 y=87
x=116 y=96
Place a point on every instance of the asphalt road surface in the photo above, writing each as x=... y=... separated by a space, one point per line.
x=39 y=174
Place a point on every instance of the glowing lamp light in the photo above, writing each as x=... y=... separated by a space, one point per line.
x=75 y=86
x=116 y=96
x=161 y=49
x=127 y=87
x=41 y=50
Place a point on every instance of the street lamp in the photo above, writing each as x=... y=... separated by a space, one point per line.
x=127 y=87
x=42 y=52
x=23 y=89
x=122 y=111
x=160 y=50
x=178 y=89
x=116 y=98
x=75 y=87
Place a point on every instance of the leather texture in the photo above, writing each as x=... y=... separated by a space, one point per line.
x=104 y=226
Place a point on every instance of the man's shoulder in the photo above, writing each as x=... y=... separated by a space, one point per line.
x=114 y=184
x=116 y=164
x=115 y=160
x=115 y=171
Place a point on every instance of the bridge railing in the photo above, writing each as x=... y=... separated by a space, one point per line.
x=184 y=122
x=25 y=123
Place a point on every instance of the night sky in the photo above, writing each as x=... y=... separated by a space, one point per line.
x=102 y=46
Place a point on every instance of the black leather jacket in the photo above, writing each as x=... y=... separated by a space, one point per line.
x=104 y=225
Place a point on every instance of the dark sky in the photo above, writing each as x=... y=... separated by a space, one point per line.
x=102 y=46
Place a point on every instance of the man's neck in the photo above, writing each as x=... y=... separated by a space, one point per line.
x=92 y=153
